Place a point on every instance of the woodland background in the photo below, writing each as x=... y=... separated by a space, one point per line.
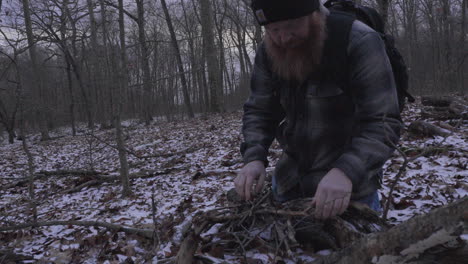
x=120 y=124
x=69 y=61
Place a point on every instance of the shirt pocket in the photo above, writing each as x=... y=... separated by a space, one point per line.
x=327 y=105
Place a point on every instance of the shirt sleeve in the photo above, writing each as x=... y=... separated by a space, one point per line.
x=374 y=94
x=262 y=112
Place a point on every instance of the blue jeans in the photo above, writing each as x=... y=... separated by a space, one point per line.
x=372 y=200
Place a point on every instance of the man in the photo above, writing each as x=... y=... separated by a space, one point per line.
x=336 y=127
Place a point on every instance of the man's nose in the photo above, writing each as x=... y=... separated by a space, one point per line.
x=285 y=38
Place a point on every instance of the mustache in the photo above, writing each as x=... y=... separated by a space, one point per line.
x=296 y=63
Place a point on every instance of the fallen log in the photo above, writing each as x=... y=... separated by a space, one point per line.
x=421 y=128
x=437 y=101
x=67 y=173
x=444 y=107
x=459 y=108
x=8 y=256
x=439 y=115
x=91 y=178
x=146 y=233
x=407 y=241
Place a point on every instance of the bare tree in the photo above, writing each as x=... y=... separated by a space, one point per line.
x=206 y=13
x=147 y=115
x=383 y=6
x=180 y=64
x=121 y=86
x=41 y=108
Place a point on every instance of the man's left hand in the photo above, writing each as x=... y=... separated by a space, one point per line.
x=332 y=195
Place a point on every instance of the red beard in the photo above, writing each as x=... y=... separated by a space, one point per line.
x=297 y=63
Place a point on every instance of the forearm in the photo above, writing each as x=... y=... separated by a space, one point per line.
x=378 y=119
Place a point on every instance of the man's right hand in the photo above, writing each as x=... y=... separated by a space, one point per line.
x=252 y=172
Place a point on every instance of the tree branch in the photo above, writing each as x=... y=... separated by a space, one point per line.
x=146 y=233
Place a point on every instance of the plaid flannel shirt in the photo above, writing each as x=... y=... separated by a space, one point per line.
x=320 y=126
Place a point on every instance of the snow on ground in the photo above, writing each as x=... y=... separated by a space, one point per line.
x=197 y=161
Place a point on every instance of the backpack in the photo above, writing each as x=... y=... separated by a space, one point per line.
x=345 y=12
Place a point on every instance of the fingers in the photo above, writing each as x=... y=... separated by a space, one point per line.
x=319 y=200
x=337 y=206
x=345 y=204
x=327 y=209
x=250 y=173
x=248 y=188
x=239 y=183
x=260 y=182
x=328 y=204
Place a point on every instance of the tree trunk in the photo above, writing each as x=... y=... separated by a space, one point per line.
x=72 y=99
x=383 y=6
x=407 y=240
x=214 y=83
x=78 y=75
x=122 y=85
x=180 y=64
x=95 y=78
x=419 y=128
x=36 y=74
x=109 y=77
x=8 y=122
x=147 y=115
x=464 y=7
x=68 y=69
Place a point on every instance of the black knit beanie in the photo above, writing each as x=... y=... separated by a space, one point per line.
x=268 y=11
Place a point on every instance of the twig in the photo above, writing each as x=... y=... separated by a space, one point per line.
x=244 y=252
x=258 y=212
x=158 y=155
x=403 y=167
x=84 y=185
x=401 y=171
x=156 y=238
x=146 y=233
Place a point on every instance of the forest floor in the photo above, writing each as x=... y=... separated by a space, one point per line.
x=189 y=167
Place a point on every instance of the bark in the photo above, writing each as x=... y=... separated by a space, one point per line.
x=36 y=73
x=215 y=85
x=463 y=24
x=444 y=107
x=8 y=122
x=144 y=59
x=109 y=83
x=180 y=64
x=32 y=196
x=189 y=245
x=145 y=233
x=438 y=101
x=72 y=99
x=30 y=161
x=409 y=239
x=459 y=108
x=383 y=6
x=122 y=86
x=219 y=26
x=94 y=69
x=68 y=69
x=427 y=129
x=69 y=54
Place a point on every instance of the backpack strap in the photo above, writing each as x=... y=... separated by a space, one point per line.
x=334 y=60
